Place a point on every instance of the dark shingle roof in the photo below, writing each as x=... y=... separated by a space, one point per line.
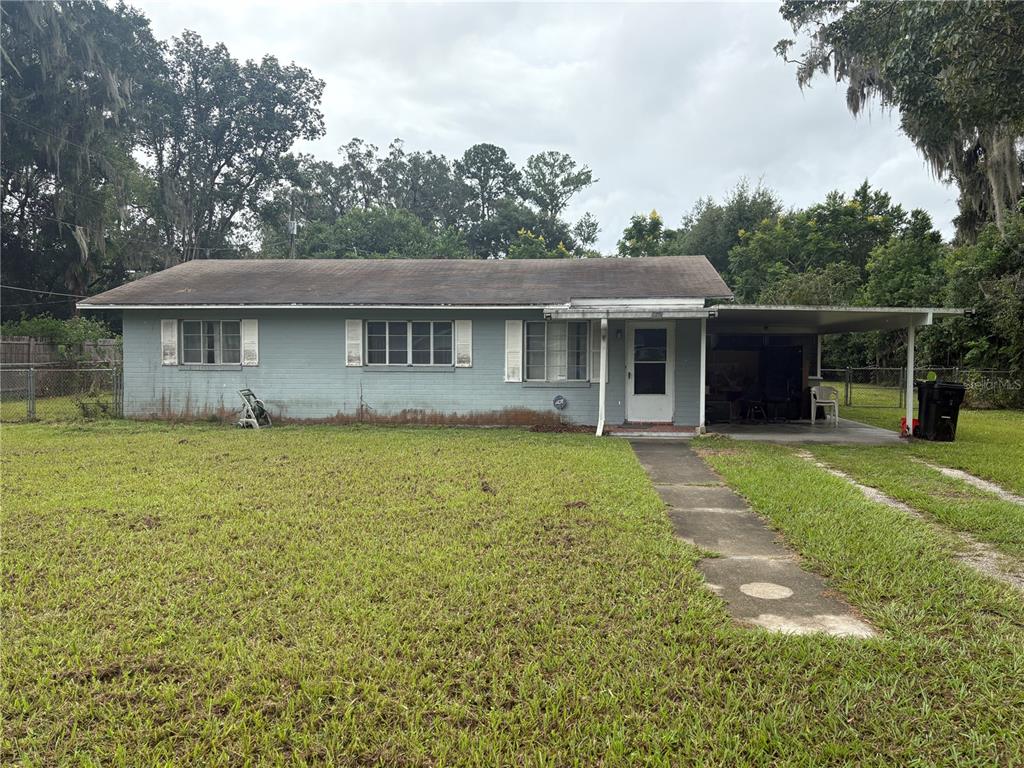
x=418 y=282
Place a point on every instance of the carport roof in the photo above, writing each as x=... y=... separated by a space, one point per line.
x=760 y=318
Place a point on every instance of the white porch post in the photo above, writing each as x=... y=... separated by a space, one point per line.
x=703 y=371
x=910 y=379
x=603 y=374
x=819 y=355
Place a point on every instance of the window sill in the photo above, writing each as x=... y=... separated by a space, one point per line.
x=409 y=368
x=212 y=366
x=556 y=384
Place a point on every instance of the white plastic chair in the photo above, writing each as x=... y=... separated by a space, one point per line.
x=827 y=398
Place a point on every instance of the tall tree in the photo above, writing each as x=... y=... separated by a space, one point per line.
x=955 y=73
x=907 y=270
x=643 y=236
x=841 y=229
x=218 y=133
x=712 y=229
x=70 y=75
x=490 y=175
x=552 y=179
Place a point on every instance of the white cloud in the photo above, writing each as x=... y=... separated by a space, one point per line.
x=667 y=103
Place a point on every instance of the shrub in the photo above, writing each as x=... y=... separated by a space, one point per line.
x=48 y=328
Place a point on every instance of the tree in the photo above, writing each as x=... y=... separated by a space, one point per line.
x=952 y=70
x=988 y=276
x=494 y=237
x=552 y=179
x=644 y=236
x=711 y=229
x=841 y=229
x=834 y=284
x=907 y=270
x=490 y=175
x=375 y=233
x=218 y=133
x=69 y=77
x=532 y=246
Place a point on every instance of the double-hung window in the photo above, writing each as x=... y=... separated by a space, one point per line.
x=211 y=342
x=409 y=343
x=557 y=351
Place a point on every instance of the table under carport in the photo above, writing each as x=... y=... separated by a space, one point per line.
x=775 y=351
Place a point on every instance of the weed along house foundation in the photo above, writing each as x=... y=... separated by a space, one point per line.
x=617 y=344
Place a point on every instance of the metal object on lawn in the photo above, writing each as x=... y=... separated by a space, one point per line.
x=254 y=413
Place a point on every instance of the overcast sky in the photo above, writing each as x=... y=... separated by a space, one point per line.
x=667 y=103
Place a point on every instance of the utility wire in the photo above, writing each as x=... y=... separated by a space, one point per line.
x=48 y=293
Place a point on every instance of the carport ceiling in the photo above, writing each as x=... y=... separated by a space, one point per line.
x=757 y=318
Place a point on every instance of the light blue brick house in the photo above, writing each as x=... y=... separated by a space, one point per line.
x=593 y=342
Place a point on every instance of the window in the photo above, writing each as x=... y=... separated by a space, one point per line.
x=557 y=351
x=211 y=342
x=409 y=343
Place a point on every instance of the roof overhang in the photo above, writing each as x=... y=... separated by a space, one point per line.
x=758 y=318
x=431 y=307
x=629 y=309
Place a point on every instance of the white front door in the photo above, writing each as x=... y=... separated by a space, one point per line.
x=650 y=361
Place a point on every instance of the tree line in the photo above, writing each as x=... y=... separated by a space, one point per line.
x=123 y=154
x=860 y=249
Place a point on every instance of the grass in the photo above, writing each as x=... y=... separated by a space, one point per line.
x=197 y=595
x=60 y=408
x=952 y=502
x=988 y=444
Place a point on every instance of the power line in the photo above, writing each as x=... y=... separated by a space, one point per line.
x=48 y=293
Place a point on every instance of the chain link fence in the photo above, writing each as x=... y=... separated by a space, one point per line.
x=59 y=393
x=886 y=387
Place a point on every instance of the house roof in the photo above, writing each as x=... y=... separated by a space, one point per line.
x=420 y=282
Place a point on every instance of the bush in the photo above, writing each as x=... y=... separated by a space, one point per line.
x=77 y=330
x=993 y=391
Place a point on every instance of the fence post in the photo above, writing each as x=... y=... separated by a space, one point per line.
x=31 y=402
x=116 y=371
x=847 y=394
x=902 y=388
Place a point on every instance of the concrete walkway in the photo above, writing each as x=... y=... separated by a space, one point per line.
x=759 y=578
x=846 y=433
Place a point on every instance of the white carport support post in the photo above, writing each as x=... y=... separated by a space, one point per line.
x=910 y=379
x=602 y=372
x=703 y=371
x=819 y=355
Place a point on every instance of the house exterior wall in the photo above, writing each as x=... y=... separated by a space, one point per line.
x=302 y=373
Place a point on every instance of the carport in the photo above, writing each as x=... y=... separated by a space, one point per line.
x=773 y=352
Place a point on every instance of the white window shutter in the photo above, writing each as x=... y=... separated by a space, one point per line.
x=169 y=342
x=463 y=343
x=513 y=350
x=250 y=342
x=353 y=342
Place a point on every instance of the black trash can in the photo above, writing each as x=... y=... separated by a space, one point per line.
x=938 y=405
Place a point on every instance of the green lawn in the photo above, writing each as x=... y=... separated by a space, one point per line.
x=952 y=502
x=989 y=444
x=62 y=408
x=198 y=595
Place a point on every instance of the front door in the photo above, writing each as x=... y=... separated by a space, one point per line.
x=649 y=372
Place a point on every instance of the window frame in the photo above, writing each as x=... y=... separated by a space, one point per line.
x=569 y=366
x=408 y=344
x=218 y=342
